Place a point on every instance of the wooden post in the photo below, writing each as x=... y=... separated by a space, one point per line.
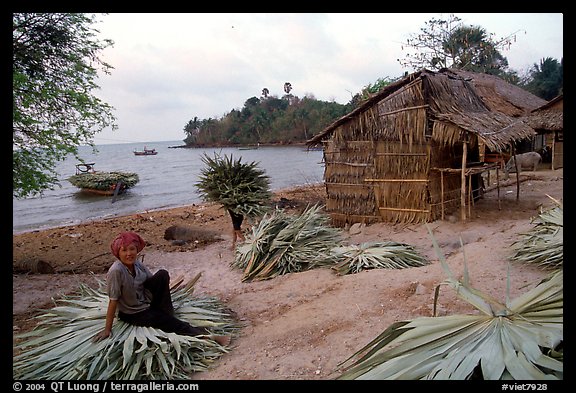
x=442 y=193
x=498 y=187
x=517 y=173
x=470 y=199
x=553 y=152
x=463 y=183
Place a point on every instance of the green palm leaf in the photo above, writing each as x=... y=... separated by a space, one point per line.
x=521 y=339
x=104 y=180
x=284 y=243
x=240 y=187
x=61 y=346
x=376 y=255
x=543 y=246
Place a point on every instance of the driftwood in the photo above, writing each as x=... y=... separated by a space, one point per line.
x=34 y=266
x=180 y=234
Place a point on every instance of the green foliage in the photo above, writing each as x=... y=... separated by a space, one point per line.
x=61 y=346
x=104 y=180
x=543 y=246
x=447 y=43
x=54 y=67
x=284 y=243
x=371 y=89
x=519 y=340
x=241 y=187
x=546 y=80
x=266 y=120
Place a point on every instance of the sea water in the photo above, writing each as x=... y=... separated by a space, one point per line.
x=166 y=180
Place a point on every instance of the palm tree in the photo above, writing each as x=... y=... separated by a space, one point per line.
x=240 y=187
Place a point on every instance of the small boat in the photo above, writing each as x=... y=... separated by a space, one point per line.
x=145 y=152
x=102 y=183
x=250 y=147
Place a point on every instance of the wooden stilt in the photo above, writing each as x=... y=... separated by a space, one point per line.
x=463 y=183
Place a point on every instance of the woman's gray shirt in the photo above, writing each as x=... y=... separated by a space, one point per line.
x=127 y=289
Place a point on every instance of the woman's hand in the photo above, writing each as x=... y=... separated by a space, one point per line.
x=102 y=335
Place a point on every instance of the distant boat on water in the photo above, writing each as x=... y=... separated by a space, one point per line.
x=249 y=147
x=145 y=152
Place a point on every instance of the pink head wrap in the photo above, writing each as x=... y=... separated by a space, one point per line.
x=125 y=239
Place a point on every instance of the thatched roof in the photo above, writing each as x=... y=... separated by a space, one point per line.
x=481 y=104
x=549 y=117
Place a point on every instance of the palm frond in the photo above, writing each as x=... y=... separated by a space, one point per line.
x=521 y=339
x=284 y=243
x=376 y=255
x=61 y=346
x=104 y=180
x=543 y=246
x=242 y=187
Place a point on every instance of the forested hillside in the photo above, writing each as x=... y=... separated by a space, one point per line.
x=266 y=120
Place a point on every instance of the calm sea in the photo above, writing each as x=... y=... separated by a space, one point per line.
x=166 y=180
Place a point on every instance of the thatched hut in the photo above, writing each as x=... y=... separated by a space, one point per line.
x=548 y=122
x=414 y=151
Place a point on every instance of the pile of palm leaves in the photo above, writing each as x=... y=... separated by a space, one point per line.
x=521 y=340
x=240 y=187
x=104 y=181
x=376 y=255
x=285 y=243
x=544 y=244
x=61 y=346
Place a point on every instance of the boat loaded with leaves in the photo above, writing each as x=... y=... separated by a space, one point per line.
x=102 y=183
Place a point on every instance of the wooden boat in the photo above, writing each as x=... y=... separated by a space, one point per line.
x=145 y=152
x=250 y=147
x=102 y=183
x=103 y=192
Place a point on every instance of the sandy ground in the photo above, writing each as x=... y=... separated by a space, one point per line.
x=298 y=326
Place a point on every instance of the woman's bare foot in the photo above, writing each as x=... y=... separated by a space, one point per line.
x=222 y=340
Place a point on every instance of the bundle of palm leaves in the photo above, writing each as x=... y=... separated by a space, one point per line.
x=285 y=243
x=240 y=187
x=104 y=181
x=61 y=346
x=519 y=340
x=544 y=244
x=376 y=255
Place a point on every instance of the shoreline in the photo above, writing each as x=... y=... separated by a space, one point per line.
x=155 y=210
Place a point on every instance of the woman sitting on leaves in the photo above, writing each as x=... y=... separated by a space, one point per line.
x=140 y=297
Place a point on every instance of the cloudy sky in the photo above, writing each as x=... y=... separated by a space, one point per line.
x=169 y=68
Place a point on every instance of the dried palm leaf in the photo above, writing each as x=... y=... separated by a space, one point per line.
x=543 y=246
x=240 y=187
x=376 y=255
x=286 y=243
x=520 y=340
x=61 y=346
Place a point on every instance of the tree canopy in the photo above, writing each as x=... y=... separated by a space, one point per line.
x=545 y=79
x=54 y=67
x=270 y=119
x=448 y=43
